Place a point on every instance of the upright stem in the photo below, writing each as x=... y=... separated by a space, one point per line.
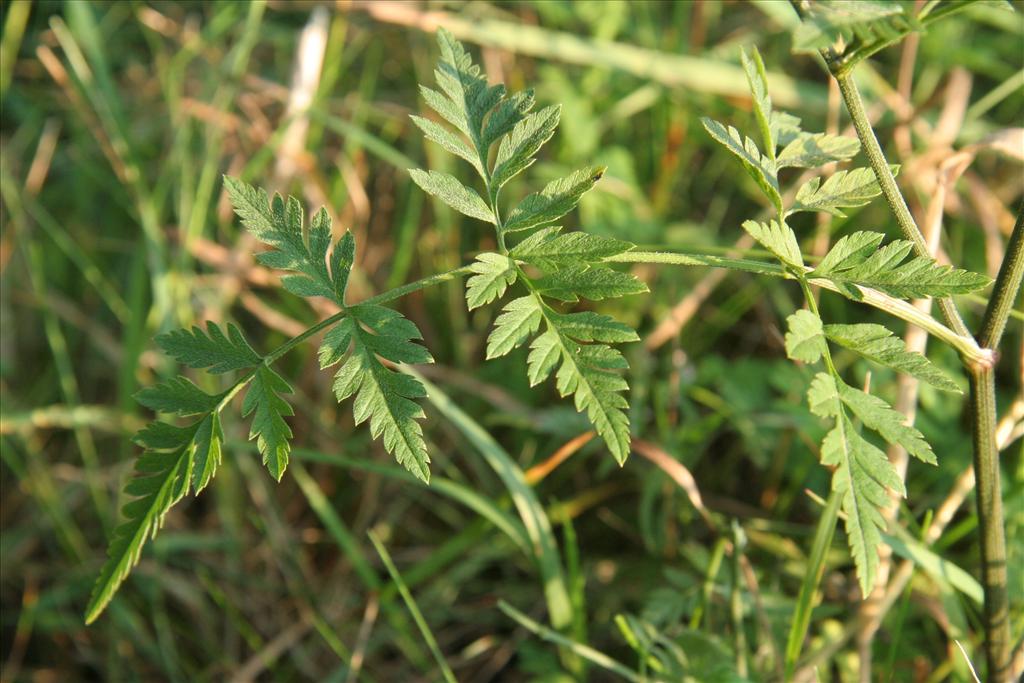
x=890 y=190
x=998 y=643
x=990 y=521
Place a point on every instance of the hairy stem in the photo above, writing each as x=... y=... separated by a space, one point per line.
x=887 y=181
x=998 y=643
x=1008 y=281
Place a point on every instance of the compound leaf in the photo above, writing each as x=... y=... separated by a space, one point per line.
x=587 y=372
x=493 y=273
x=878 y=344
x=263 y=400
x=862 y=475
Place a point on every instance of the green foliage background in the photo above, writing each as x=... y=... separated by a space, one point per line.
x=118 y=121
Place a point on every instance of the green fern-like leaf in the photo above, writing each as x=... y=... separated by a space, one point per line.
x=368 y=335
x=813 y=150
x=213 y=350
x=161 y=480
x=278 y=223
x=448 y=189
x=886 y=269
x=263 y=400
x=178 y=395
x=878 y=344
x=780 y=240
x=558 y=198
x=862 y=475
x=843 y=189
x=805 y=340
x=758 y=166
x=492 y=274
x=588 y=373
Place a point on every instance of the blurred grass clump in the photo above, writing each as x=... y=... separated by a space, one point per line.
x=118 y=119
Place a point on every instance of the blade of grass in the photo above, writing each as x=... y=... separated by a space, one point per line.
x=583 y=651
x=534 y=518
x=812 y=577
x=698 y=74
x=413 y=608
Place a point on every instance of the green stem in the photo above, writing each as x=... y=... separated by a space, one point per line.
x=887 y=181
x=1008 y=281
x=998 y=643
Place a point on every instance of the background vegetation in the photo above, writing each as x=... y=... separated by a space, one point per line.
x=118 y=121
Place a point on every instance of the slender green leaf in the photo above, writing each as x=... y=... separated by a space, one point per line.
x=760 y=167
x=558 y=198
x=178 y=395
x=813 y=150
x=449 y=142
x=161 y=480
x=205 y=451
x=841 y=190
x=549 y=250
x=448 y=189
x=758 y=82
x=593 y=283
x=211 y=349
x=878 y=344
x=516 y=151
